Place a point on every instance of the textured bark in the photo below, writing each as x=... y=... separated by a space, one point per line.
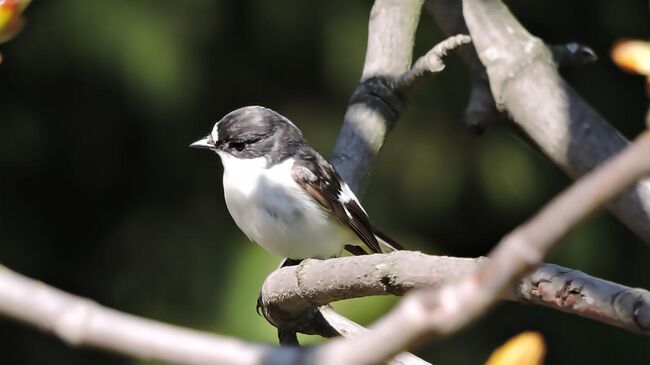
x=293 y=291
x=575 y=292
x=524 y=82
x=374 y=107
x=81 y=322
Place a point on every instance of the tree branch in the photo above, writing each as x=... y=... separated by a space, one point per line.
x=291 y=291
x=481 y=110
x=428 y=64
x=81 y=322
x=522 y=72
x=374 y=107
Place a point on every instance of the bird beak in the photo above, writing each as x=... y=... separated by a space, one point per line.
x=203 y=143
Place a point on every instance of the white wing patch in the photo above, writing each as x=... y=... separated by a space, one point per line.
x=345 y=196
x=347 y=212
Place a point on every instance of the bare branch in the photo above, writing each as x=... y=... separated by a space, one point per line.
x=374 y=108
x=291 y=291
x=481 y=110
x=348 y=328
x=81 y=322
x=575 y=292
x=429 y=64
x=522 y=71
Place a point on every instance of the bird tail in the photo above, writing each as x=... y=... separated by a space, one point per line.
x=386 y=243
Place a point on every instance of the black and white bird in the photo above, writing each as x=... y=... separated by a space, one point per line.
x=283 y=194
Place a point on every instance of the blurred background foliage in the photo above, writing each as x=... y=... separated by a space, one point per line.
x=100 y=196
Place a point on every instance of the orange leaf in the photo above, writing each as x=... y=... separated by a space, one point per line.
x=8 y=12
x=11 y=21
x=632 y=55
x=526 y=348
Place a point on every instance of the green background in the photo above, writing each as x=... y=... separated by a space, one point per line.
x=100 y=196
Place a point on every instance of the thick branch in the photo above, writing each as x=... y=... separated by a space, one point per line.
x=289 y=292
x=81 y=322
x=348 y=328
x=481 y=110
x=522 y=72
x=375 y=108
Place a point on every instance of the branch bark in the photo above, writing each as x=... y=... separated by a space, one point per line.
x=374 y=107
x=521 y=72
x=291 y=291
x=81 y=322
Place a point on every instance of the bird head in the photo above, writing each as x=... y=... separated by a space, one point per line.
x=252 y=132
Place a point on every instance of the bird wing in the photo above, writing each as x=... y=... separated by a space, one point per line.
x=317 y=177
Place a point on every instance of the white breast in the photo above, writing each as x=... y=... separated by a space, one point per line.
x=274 y=211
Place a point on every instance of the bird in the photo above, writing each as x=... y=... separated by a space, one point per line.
x=283 y=194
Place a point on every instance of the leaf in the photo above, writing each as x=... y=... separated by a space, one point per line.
x=632 y=55
x=526 y=348
x=10 y=20
x=8 y=10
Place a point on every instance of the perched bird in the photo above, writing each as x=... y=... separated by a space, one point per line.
x=283 y=194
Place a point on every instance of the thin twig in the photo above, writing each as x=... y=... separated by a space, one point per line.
x=430 y=63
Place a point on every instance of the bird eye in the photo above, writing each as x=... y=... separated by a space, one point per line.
x=239 y=146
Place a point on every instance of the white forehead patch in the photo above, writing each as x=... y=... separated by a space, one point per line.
x=215 y=133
